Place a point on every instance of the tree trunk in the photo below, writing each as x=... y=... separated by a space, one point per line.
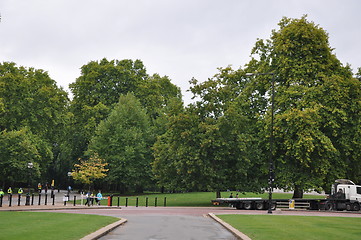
x=298 y=192
x=218 y=194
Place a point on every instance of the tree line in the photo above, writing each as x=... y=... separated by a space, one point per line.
x=137 y=126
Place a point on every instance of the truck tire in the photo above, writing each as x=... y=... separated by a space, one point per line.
x=356 y=207
x=247 y=205
x=328 y=206
x=260 y=206
x=348 y=207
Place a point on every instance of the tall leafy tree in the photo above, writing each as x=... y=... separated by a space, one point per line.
x=311 y=113
x=98 y=89
x=17 y=149
x=30 y=99
x=122 y=140
x=209 y=145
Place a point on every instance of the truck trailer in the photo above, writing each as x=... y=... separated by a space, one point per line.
x=345 y=195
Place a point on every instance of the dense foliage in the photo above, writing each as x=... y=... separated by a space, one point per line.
x=294 y=88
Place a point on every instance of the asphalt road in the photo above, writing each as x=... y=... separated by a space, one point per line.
x=156 y=227
x=158 y=223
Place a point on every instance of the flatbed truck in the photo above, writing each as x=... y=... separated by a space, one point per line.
x=345 y=195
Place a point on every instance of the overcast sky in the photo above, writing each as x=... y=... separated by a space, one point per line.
x=181 y=39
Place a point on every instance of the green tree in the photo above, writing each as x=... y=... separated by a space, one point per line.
x=210 y=145
x=123 y=141
x=312 y=115
x=30 y=99
x=17 y=149
x=98 y=89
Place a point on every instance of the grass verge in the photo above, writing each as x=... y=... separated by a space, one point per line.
x=260 y=227
x=42 y=225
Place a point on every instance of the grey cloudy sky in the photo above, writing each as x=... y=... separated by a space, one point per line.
x=180 y=39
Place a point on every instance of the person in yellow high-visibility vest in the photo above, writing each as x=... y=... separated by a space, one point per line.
x=20 y=191
x=10 y=192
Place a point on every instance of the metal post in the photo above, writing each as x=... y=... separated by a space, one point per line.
x=271 y=167
x=146 y=202
x=271 y=140
x=136 y=203
x=165 y=201
x=155 y=202
x=118 y=202
x=126 y=202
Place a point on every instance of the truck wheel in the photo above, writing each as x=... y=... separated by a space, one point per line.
x=238 y=206
x=259 y=206
x=356 y=207
x=247 y=205
x=348 y=207
x=328 y=206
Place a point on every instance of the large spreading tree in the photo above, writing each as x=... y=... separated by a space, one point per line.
x=317 y=107
x=31 y=119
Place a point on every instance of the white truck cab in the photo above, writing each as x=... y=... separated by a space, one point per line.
x=346 y=189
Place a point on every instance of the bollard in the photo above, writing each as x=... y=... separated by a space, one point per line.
x=146 y=202
x=39 y=198
x=118 y=202
x=27 y=200
x=155 y=202
x=10 y=199
x=110 y=200
x=74 y=200
x=126 y=202
x=165 y=201
x=46 y=199
x=136 y=202
x=32 y=199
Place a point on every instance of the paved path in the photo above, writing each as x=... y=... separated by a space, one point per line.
x=155 y=223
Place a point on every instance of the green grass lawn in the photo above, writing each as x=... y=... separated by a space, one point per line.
x=192 y=199
x=42 y=225
x=259 y=227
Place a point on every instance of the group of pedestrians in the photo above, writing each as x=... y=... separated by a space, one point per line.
x=90 y=198
x=10 y=192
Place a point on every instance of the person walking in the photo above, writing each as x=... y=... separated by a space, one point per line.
x=99 y=197
x=87 y=199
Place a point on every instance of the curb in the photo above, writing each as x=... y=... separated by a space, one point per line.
x=103 y=231
x=235 y=232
